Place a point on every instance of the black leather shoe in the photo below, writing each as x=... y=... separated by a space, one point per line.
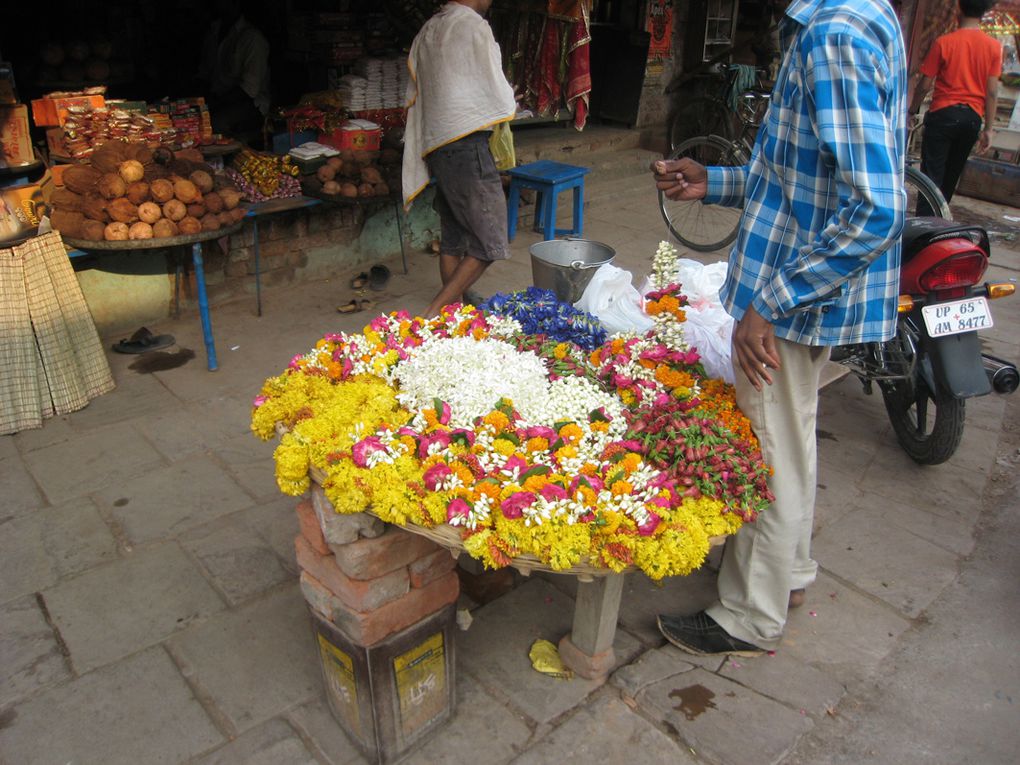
x=699 y=634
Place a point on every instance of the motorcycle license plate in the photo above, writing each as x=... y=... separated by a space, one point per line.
x=957 y=316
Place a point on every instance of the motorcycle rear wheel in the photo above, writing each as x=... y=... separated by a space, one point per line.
x=928 y=437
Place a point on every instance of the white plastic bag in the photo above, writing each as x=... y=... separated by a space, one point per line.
x=708 y=327
x=612 y=299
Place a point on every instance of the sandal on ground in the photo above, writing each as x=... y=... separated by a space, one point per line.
x=143 y=341
x=360 y=281
x=351 y=307
x=366 y=304
x=378 y=277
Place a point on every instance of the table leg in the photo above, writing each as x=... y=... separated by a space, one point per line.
x=177 y=283
x=203 y=306
x=588 y=649
x=400 y=233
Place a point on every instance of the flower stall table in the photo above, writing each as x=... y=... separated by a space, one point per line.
x=176 y=243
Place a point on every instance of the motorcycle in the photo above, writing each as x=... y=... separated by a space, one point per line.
x=935 y=363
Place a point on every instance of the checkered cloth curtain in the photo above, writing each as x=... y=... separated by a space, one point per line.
x=52 y=361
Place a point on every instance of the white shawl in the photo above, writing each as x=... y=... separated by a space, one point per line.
x=457 y=86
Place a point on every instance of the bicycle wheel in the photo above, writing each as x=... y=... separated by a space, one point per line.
x=924 y=199
x=704 y=227
x=701 y=116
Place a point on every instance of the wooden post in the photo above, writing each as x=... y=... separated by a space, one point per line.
x=588 y=649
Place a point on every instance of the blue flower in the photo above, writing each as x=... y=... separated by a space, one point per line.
x=540 y=312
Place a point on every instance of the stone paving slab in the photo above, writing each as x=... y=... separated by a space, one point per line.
x=495 y=650
x=325 y=736
x=253 y=663
x=54 y=430
x=90 y=462
x=722 y=720
x=607 y=731
x=37 y=550
x=139 y=710
x=204 y=425
x=273 y=743
x=250 y=462
x=17 y=487
x=29 y=654
x=170 y=500
x=781 y=677
x=482 y=730
x=137 y=395
x=240 y=564
x=885 y=559
x=655 y=665
x=276 y=523
x=841 y=631
x=120 y=608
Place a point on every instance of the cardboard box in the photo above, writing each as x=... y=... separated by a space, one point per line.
x=48 y=111
x=21 y=209
x=15 y=140
x=355 y=139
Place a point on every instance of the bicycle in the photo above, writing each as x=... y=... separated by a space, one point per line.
x=710 y=114
x=705 y=227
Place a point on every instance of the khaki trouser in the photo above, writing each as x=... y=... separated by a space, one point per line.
x=768 y=558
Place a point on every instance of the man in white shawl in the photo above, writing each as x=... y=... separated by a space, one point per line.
x=456 y=94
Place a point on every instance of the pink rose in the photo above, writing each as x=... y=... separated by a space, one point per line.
x=435 y=475
x=440 y=437
x=648 y=528
x=458 y=509
x=515 y=463
x=551 y=492
x=445 y=414
x=513 y=506
x=365 y=447
x=259 y=401
x=541 y=431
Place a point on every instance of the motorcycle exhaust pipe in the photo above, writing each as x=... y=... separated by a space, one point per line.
x=1003 y=375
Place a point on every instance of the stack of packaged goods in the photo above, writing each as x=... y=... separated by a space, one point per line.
x=190 y=118
x=354 y=92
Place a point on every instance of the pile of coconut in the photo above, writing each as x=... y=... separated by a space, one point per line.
x=355 y=174
x=130 y=192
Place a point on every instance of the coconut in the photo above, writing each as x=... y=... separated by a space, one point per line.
x=138 y=192
x=230 y=197
x=140 y=153
x=382 y=190
x=213 y=202
x=105 y=159
x=366 y=190
x=184 y=190
x=140 y=230
x=92 y=230
x=202 y=180
x=336 y=163
x=94 y=207
x=112 y=186
x=189 y=225
x=67 y=222
x=161 y=190
x=149 y=212
x=121 y=209
x=163 y=228
x=197 y=210
x=226 y=218
x=331 y=187
x=116 y=232
x=371 y=175
x=65 y=199
x=131 y=170
x=325 y=173
x=190 y=155
x=81 y=178
x=349 y=190
x=210 y=223
x=174 y=210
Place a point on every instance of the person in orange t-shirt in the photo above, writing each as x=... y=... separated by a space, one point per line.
x=964 y=67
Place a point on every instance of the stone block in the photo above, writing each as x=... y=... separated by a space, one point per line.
x=239 y=253
x=371 y=558
x=237 y=269
x=318 y=596
x=369 y=628
x=273 y=743
x=311 y=529
x=596 y=667
x=341 y=529
x=355 y=594
x=431 y=567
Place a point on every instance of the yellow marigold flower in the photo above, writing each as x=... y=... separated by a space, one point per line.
x=560 y=351
x=504 y=447
x=595 y=358
x=463 y=473
x=566 y=452
x=631 y=462
x=627 y=397
x=589 y=468
x=588 y=496
x=681 y=392
x=617 y=345
x=612 y=521
x=497 y=421
x=622 y=487
x=599 y=426
x=537 y=444
x=431 y=421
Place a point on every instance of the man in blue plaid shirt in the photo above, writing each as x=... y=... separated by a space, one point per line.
x=815 y=264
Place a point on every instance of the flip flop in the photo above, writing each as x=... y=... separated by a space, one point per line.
x=378 y=276
x=366 y=305
x=351 y=307
x=359 y=281
x=143 y=341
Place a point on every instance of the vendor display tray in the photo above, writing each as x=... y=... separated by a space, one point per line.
x=151 y=244
x=313 y=187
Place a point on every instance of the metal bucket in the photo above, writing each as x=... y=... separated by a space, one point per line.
x=565 y=266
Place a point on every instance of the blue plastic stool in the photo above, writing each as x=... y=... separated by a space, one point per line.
x=548 y=178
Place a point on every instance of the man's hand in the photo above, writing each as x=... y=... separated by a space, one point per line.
x=985 y=141
x=754 y=345
x=681 y=179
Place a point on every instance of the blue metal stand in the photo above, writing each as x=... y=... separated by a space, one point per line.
x=548 y=179
x=203 y=306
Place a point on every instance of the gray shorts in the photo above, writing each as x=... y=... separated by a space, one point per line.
x=470 y=199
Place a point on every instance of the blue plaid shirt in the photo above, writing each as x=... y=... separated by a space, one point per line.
x=818 y=252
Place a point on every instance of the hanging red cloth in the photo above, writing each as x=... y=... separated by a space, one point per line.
x=545 y=82
x=579 y=71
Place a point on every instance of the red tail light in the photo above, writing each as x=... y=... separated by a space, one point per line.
x=958 y=271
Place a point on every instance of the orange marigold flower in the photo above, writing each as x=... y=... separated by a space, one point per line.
x=620 y=488
x=631 y=462
x=497 y=420
x=490 y=490
x=537 y=444
x=571 y=432
x=535 y=482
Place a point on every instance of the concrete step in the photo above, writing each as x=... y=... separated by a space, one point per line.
x=561 y=143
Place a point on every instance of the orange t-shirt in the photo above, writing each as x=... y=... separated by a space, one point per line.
x=961 y=63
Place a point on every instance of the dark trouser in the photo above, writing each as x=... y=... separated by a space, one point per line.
x=949 y=135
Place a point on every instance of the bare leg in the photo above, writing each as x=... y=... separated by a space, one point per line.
x=464 y=275
x=447 y=265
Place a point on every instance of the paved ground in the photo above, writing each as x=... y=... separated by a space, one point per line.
x=149 y=609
